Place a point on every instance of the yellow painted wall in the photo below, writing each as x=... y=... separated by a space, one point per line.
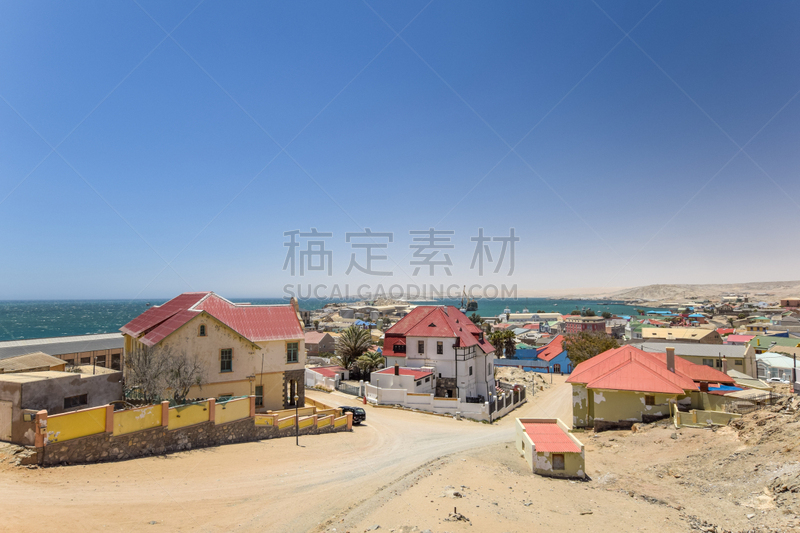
x=580 y=406
x=284 y=423
x=306 y=422
x=188 y=415
x=76 y=424
x=324 y=421
x=574 y=465
x=132 y=420
x=265 y=420
x=613 y=406
x=339 y=422
x=231 y=410
x=301 y=412
x=272 y=383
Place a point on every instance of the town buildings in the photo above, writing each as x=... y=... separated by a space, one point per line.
x=444 y=340
x=103 y=350
x=697 y=335
x=319 y=343
x=741 y=358
x=244 y=349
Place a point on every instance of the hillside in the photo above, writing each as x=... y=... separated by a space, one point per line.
x=772 y=290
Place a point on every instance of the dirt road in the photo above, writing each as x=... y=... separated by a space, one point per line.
x=271 y=485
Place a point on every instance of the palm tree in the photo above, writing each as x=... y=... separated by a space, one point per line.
x=476 y=318
x=503 y=341
x=369 y=362
x=352 y=344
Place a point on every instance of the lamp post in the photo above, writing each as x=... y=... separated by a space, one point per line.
x=296 y=419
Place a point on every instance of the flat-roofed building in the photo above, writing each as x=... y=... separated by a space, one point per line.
x=103 y=350
x=698 y=335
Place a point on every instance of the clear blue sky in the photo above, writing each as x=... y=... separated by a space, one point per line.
x=199 y=149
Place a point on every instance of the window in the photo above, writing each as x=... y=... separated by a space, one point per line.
x=719 y=363
x=708 y=362
x=115 y=361
x=558 y=461
x=420 y=346
x=738 y=362
x=399 y=348
x=100 y=360
x=649 y=400
x=226 y=360
x=259 y=396
x=439 y=347
x=75 y=401
x=292 y=349
x=470 y=371
x=86 y=360
x=202 y=331
x=419 y=383
x=428 y=379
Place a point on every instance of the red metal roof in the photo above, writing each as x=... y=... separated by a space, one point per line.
x=416 y=374
x=739 y=338
x=535 y=326
x=438 y=321
x=552 y=349
x=725 y=331
x=158 y=314
x=328 y=371
x=253 y=322
x=548 y=437
x=696 y=372
x=631 y=369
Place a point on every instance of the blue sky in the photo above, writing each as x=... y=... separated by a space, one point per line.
x=155 y=147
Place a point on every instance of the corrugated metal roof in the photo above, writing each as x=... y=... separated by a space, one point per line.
x=158 y=314
x=552 y=349
x=548 y=437
x=328 y=371
x=62 y=345
x=255 y=322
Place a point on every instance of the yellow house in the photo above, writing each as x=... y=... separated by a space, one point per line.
x=698 y=335
x=244 y=349
x=626 y=385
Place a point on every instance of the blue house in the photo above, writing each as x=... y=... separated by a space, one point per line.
x=551 y=357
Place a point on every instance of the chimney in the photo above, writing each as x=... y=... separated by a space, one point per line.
x=724 y=365
x=671 y=359
x=396 y=370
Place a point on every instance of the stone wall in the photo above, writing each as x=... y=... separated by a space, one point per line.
x=445 y=384
x=161 y=441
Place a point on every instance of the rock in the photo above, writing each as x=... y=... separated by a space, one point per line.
x=674 y=436
x=751 y=516
x=373 y=528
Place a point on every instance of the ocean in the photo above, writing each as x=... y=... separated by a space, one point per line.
x=60 y=318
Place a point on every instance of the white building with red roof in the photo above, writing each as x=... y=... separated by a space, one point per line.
x=443 y=341
x=245 y=349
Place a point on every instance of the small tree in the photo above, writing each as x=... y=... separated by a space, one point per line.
x=730 y=321
x=606 y=315
x=369 y=362
x=540 y=310
x=476 y=318
x=352 y=344
x=740 y=316
x=589 y=312
x=145 y=371
x=316 y=324
x=575 y=312
x=183 y=373
x=503 y=341
x=584 y=345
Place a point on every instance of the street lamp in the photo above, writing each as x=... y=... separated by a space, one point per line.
x=296 y=419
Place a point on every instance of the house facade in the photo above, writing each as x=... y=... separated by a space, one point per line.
x=319 y=343
x=626 y=385
x=584 y=324
x=444 y=340
x=741 y=358
x=244 y=349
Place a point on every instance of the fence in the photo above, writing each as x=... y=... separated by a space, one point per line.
x=752 y=403
x=502 y=404
x=101 y=434
x=350 y=389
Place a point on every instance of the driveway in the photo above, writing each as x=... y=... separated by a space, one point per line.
x=270 y=485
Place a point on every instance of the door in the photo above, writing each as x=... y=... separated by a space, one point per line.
x=5 y=420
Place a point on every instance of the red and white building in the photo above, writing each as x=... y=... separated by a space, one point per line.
x=581 y=324
x=441 y=340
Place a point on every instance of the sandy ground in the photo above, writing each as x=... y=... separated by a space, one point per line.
x=401 y=471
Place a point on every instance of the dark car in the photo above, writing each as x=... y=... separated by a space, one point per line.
x=359 y=415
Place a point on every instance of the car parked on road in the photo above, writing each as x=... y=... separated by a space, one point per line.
x=359 y=414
